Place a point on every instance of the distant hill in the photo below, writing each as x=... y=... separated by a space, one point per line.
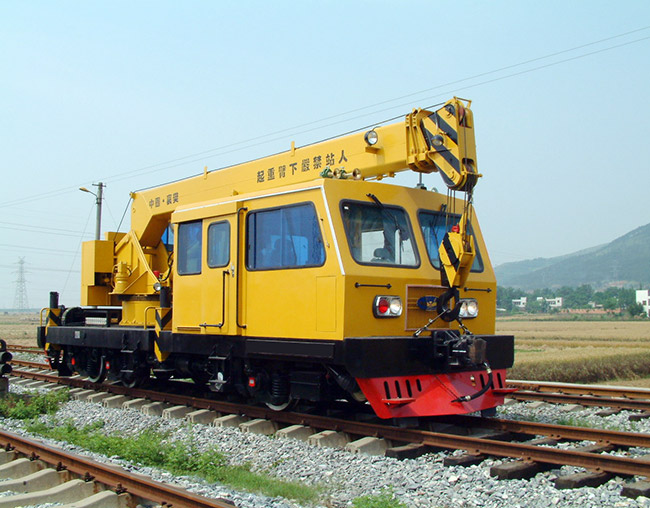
x=622 y=262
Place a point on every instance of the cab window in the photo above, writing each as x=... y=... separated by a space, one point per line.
x=218 y=244
x=189 y=248
x=379 y=234
x=434 y=227
x=167 y=238
x=285 y=237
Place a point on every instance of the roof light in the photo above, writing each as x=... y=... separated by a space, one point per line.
x=371 y=137
x=437 y=140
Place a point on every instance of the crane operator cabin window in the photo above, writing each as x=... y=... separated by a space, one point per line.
x=189 y=248
x=218 y=244
x=434 y=227
x=379 y=234
x=285 y=237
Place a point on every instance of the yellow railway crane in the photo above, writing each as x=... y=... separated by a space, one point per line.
x=303 y=276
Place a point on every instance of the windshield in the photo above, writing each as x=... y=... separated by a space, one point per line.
x=434 y=226
x=379 y=234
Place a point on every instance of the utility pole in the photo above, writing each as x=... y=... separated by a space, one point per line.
x=20 y=301
x=98 y=200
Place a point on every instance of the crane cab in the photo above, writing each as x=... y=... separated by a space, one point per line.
x=335 y=272
x=301 y=276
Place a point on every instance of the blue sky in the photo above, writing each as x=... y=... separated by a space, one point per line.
x=140 y=93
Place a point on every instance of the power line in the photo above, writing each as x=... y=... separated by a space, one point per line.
x=41 y=269
x=442 y=94
x=186 y=159
x=338 y=115
x=37 y=249
x=41 y=231
x=38 y=227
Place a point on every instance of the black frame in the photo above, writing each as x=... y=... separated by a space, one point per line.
x=207 y=244
x=478 y=258
x=275 y=268
x=416 y=251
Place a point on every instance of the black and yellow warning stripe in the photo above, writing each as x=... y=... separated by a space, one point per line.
x=53 y=317
x=163 y=319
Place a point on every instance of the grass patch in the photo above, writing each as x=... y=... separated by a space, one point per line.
x=581 y=352
x=19 y=328
x=25 y=407
x=384 y=500
x=569 y=368
x=153 y=449
x=574 y=422
x=609 y=330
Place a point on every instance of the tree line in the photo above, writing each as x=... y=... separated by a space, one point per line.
x=580 y=297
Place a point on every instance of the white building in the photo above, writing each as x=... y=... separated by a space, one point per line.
x=643 y=297
x=520 y=303
x=554 y=303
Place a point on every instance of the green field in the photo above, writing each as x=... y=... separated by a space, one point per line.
x=19 y=328
x=614 y=352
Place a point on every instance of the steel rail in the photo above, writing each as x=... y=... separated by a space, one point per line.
x=475 y=445
x=117 y=478
x=581 y=389
x=30 y=364
x=613 y=437
x=583 y=400
x=17 y=348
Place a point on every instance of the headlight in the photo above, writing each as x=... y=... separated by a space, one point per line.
x=387 y=306
x=468 y=308
x=437 y=140
x=371 y=137
x=396 y=307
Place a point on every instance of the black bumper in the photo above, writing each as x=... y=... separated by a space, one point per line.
x=367 y=357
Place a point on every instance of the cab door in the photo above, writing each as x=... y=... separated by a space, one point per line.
x=290 y=281
x=204 y=285
x=216 y=289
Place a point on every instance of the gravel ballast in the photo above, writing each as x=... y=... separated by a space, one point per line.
x=421 y=482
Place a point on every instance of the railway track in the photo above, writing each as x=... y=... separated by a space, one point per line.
x=556 y=393
x=581 y=389
x=31 y=364
x=17 y=348
x=42 y=473
x=483 y=436
x=618 y=397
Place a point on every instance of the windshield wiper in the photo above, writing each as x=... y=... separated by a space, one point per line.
x=400 y=230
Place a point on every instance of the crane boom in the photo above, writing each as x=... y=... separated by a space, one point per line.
x=425 y=141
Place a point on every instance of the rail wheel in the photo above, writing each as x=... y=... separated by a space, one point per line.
x=133 y=369
x=135 y=378
x=279 y=398
x=288 y=404
x=90 y=363
x=96 y=366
